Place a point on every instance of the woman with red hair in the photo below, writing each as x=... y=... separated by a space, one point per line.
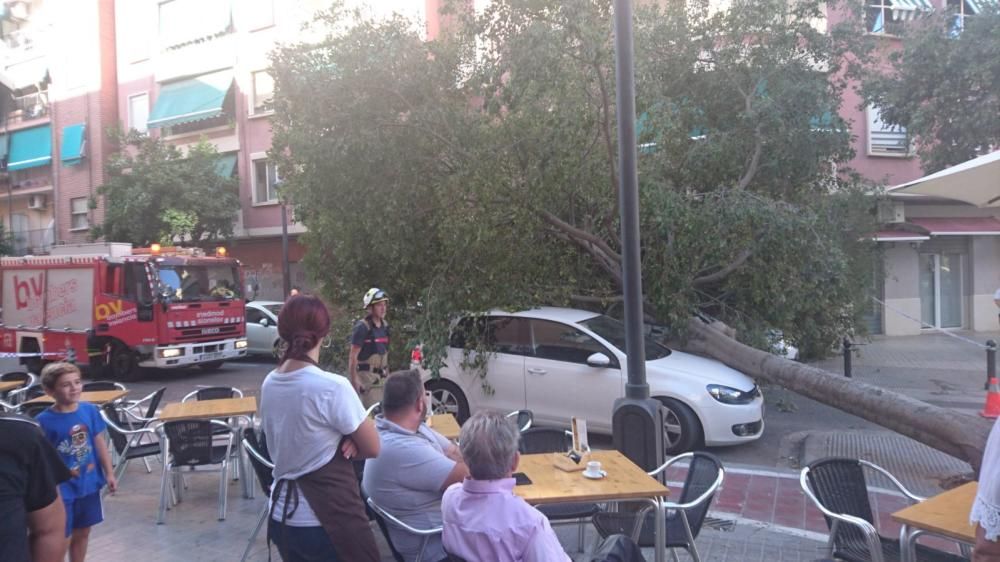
x=315 y=426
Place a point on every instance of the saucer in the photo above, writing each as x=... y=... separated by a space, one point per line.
x=593 y=476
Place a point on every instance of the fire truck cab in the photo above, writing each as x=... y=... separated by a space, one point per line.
x=116 y=309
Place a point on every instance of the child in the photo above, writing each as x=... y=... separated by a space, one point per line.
x=73 y=427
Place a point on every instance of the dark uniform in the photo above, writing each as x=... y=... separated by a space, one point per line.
x=373 y=359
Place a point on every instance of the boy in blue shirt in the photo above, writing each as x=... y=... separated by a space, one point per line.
x=73 y=427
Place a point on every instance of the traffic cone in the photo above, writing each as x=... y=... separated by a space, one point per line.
x=992 y=408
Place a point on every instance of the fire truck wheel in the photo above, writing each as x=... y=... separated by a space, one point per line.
x=210 y=366
x=124 y=364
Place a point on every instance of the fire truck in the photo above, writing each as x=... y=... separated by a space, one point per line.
x=115 y=309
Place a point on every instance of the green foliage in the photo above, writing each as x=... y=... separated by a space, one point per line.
x=6 y=246
x=944 y=87
x=479 y=170
x=157 y=193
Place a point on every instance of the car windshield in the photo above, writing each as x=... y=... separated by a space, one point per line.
x=274 y=309
x=198 y=282
x=614 y=332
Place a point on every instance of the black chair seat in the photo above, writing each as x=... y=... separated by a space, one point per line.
x=608 y=524
x=891 y=551
x=564 y=511
x=144 y=450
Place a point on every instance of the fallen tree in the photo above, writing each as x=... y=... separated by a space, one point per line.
x=959 y=435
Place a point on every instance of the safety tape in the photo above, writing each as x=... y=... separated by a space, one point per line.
x=8 y=355
x=929 y=327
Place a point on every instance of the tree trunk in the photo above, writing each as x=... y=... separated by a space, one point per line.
x=960 y=435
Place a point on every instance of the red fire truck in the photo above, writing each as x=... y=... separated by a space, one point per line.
x=116 y=310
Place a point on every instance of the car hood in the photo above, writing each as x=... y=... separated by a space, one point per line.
x=709 y=371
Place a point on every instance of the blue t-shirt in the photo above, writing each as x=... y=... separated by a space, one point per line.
x=73 y=436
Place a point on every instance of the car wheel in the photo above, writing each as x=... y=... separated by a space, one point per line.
x=278 y=350
x=124 y=364
x=447 y=398
x=682 y=431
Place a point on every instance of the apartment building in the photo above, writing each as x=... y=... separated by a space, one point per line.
x=57 y=99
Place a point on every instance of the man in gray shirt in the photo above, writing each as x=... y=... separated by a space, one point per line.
x=413 y=469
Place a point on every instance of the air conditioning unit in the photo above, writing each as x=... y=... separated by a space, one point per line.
x=37 y=202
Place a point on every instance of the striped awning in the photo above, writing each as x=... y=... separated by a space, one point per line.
x=910 y=9
x=978 y=6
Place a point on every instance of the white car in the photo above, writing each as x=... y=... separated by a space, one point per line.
x=560 y=362
x=262 y=328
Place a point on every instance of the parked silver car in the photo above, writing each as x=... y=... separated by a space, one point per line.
x=262 y=328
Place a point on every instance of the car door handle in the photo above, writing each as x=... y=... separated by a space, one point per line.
x=535 y=371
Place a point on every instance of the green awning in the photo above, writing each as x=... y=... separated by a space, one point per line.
x=3 y=147
x=30 y=148
x=225 y=165
x=190 y=100
x=72 y=144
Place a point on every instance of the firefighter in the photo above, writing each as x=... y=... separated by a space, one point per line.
x=369 y=357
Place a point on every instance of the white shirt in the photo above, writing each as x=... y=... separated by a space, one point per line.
x=304 y=415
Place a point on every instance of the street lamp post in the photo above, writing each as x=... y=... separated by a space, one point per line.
x=286 y=268
x=637 y=420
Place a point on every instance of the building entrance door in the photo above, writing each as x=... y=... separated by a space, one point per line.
x=941 y=294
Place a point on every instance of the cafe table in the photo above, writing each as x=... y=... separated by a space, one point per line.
x=97 y=397
x=6 y=386
x=445 y=424
x=625 y=481
x=945 y=515
x=219 y=408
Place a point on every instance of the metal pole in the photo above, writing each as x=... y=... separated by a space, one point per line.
x=286 y=268
x=847 y=357
x=628 y=197
x=991 y=361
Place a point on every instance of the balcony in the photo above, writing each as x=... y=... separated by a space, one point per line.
x=29 y=107
x=31 y=242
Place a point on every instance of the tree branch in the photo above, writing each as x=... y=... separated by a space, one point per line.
x=721 y=274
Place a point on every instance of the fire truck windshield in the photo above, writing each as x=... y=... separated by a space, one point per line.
x=198 y=282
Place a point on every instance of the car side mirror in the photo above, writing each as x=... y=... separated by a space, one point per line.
x=264 y=322
x=599 y=360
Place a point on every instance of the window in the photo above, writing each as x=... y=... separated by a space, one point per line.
x=888 y=16
x=263 y=92
x=560 y=342
x=137 y=283
x=78 y=209
x=254 y=316
x=138 y=112
x=884 y=139
x=265 y=182
x=501 y=334
x=960 y=9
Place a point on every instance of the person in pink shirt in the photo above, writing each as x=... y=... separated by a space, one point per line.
x=483 y=520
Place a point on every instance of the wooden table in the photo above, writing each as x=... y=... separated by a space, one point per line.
x=625 y=481
x=206 y=409
x=445 y=424
x=946 y=515
x=98 y=397
x=6 y=386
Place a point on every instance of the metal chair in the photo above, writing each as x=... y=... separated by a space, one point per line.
x=126 y=440
x=373 y=410
x=523 y=418
x=683 y=520
x=838 y=487
x=188 y=444
x=93 y=386
x=152 y=402
x=548 y=440
x=388 y=517
x=7 y=407
x=260 y=460
x=16 y=396
x=213 y=393
x=32 y=410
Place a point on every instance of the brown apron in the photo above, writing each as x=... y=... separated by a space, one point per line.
x=334 y=496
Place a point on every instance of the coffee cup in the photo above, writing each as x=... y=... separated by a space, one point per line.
x=594 y=468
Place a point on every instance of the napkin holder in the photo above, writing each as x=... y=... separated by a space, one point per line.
x=564 y=462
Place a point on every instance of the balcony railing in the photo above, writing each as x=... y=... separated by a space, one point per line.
x=31 y=242
x=30 y=106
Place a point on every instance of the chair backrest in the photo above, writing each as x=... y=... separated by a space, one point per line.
x=214 y=393
x=118 y=439
x=190 y=442
x=154 y=402
x=544 y=440
x=374 y=410
x=839 y=484
x=383 y=525
x=102 y=385
x=258 y=447
x=17 y=376
x=32 y=410
x=523 y=419
x=702 y=473
x=33 y=392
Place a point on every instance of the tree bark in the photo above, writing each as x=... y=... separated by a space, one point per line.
x=960 y=435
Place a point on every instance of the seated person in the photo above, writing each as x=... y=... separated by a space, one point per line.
x=415 y=466
x=485 y=521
